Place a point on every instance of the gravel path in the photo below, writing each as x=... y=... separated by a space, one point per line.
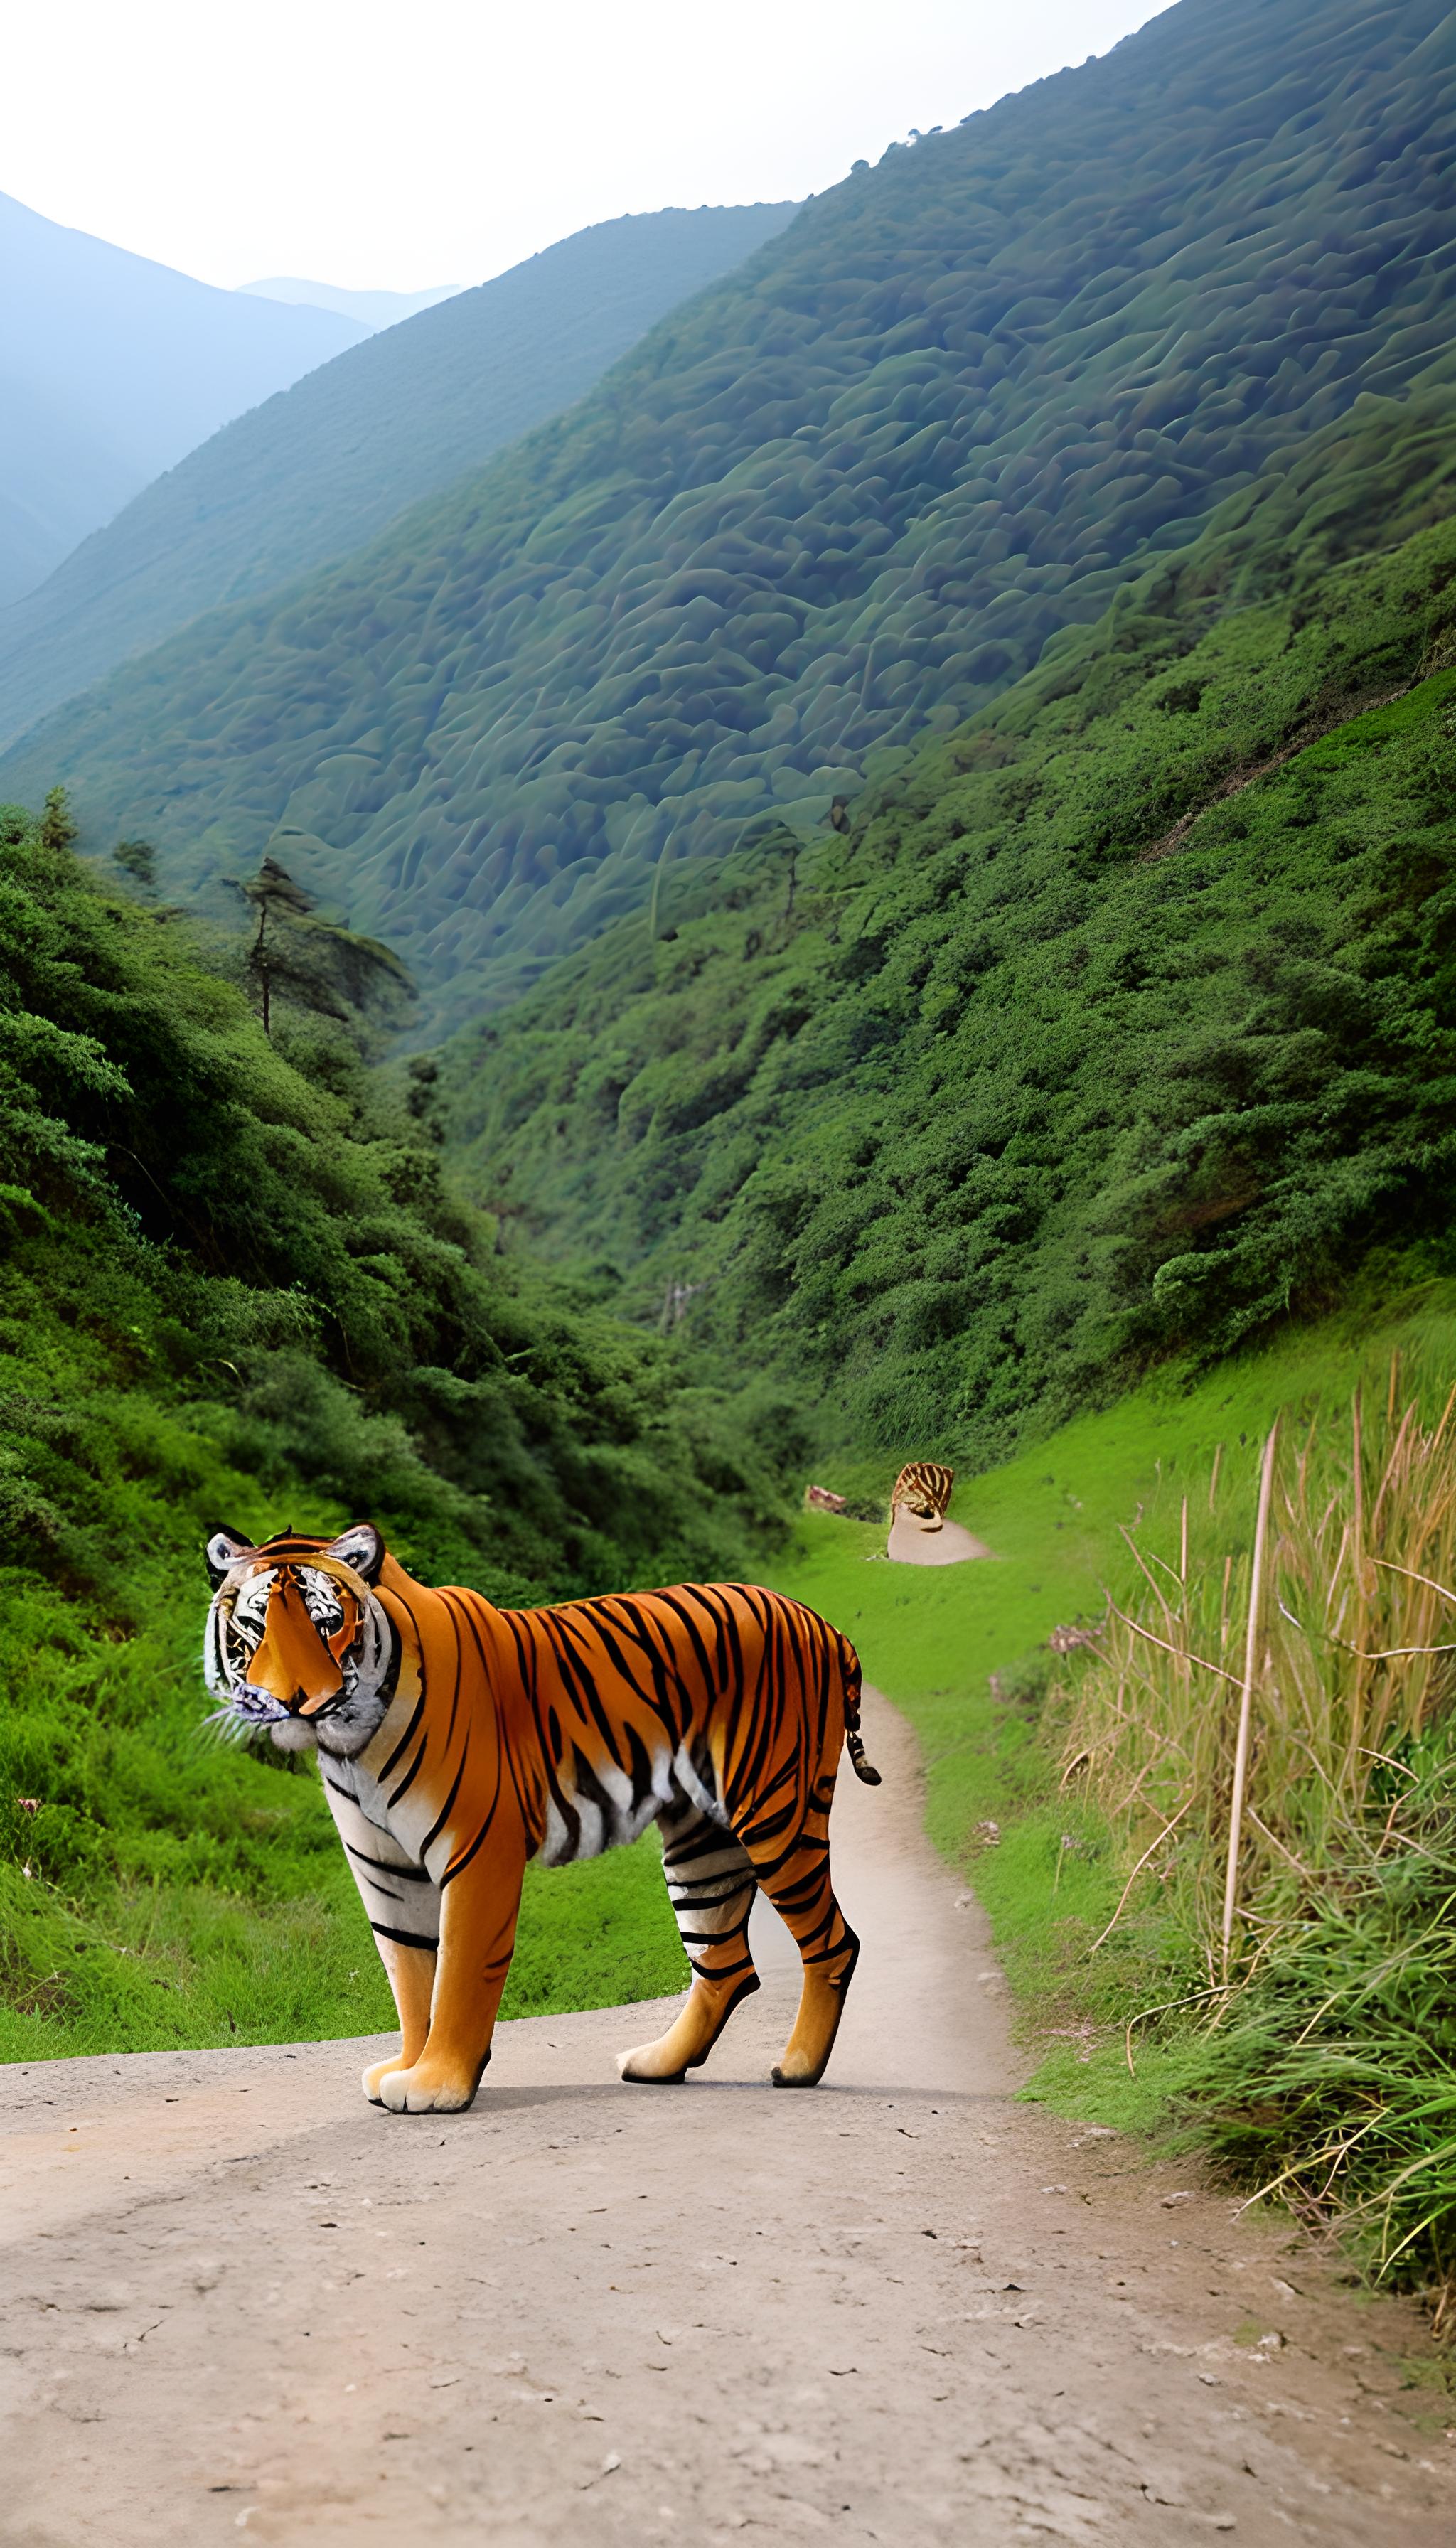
x=904 y=2308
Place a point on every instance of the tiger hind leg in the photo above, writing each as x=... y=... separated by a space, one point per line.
x=791 y=1862
x=712 y=1886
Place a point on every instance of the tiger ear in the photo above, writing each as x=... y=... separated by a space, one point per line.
x=223 y=1550
x=361 y=1549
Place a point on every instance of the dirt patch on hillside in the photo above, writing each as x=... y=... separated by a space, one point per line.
x=914 y=1542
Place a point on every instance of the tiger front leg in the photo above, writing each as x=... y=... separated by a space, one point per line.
x=411 y=1973
x=479 y=1913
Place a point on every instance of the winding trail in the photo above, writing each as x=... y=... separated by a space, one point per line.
x=904 y=2308
x=913 y=1542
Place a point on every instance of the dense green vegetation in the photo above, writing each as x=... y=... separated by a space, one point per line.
x=234 y=1286
x=849 y=492
x=320 y=467
x=1053 y=1775
x=1115 y=1024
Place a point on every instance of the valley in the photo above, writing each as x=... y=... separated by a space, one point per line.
x=800 y=836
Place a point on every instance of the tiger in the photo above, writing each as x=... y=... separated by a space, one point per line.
x=924 y=1488
x=457 y=1742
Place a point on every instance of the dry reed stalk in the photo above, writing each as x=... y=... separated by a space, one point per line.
x=1179 y=1653
x=1150 y=1852
x=1142 y=1563
x=1355 y=1654
x=1246 y=1695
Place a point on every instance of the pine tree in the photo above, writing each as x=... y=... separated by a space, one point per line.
x=138 y=860
x=58 y=829
x=320 y=967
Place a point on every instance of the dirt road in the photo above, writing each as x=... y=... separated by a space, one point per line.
x=902 y=2309
x=913 y=1542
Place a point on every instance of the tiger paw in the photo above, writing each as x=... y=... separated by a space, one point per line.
x=649 y=2066
x=427 y=2089
x=372 y=2081
x=784 y=2076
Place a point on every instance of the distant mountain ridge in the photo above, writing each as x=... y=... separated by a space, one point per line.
x=848 y=493
x=111 y=368
x=372 y=310
x=311 y=475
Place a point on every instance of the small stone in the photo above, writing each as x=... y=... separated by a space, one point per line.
x=1171 y=2201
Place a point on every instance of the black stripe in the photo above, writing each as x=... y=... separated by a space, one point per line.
x=388 y=1866
x=402 y=1936
x=414 y=1717
x=413 y=1772
x=350 y=1798
x=443 y=1816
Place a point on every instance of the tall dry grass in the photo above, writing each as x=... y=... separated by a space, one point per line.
x=1353 y=1649
x=1307 y=1597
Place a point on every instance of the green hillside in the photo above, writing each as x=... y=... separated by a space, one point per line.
x=847 y=493
x=314 y=471
x=1117 y=1023
x=235 y=1288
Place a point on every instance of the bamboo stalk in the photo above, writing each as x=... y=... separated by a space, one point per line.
x=1247 y=1693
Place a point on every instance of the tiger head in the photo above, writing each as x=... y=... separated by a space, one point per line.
x=298 y=1643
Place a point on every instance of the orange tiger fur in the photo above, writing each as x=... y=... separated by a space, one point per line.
x=457 y=1741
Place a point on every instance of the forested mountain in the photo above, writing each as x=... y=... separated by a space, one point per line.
x=315 y=473
x=848 y=493
x=1116 y=1023
x=227 y=1247
x=111 y=368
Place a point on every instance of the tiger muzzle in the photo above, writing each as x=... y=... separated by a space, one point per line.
x=293 y=1664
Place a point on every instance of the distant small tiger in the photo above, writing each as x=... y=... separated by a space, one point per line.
x=924 y=1488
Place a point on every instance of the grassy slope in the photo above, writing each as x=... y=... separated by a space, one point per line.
x=233 y=1288
x=316 y=471
x=932 y=1639
x=851 y=490
x=170 y=1891
x=1119 y=1019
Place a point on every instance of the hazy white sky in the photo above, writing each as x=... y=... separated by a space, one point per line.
x=440 y=140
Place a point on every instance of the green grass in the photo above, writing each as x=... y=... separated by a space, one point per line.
x=143 y=1968
x=170 y=1890
x=960 y=1650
